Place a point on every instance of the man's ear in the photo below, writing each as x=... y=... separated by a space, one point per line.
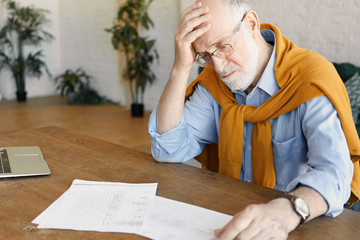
x=252 y=21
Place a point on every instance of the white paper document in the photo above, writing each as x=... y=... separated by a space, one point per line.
x=172 y=220
x=129 y=208
x=99 y=206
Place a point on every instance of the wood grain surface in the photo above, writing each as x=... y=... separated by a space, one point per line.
x=72 y=156
x=108 y=122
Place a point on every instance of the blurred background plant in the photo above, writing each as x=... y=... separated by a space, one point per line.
x=140 y=52
x=75 y=85
x=24 y=26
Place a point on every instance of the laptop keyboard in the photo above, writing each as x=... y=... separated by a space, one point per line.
x=4 y=162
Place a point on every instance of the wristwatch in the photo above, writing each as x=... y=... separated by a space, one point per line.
x=300 y=207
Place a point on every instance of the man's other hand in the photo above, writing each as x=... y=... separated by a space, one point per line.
x=273 y=220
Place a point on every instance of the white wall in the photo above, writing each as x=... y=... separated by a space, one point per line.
x=84 y=43
x=329 y=27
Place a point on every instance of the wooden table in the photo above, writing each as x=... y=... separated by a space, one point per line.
x=72 y=156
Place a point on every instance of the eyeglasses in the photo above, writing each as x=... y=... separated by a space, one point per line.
x=223 y=51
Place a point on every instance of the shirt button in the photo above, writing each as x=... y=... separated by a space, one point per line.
x=249 y=147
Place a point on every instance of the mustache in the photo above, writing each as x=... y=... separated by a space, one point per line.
x=228 y=69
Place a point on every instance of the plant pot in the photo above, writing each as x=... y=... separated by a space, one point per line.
x=21 y=96
x=71 y=97
x=137 y=110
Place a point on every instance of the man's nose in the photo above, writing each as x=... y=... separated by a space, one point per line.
x=218 y=63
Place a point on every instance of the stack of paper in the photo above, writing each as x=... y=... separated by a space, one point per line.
x=129 y=208
x=99 y=206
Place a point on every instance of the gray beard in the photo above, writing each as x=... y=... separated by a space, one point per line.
x=243 y=77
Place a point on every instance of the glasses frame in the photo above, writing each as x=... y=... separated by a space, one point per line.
x=206 y=58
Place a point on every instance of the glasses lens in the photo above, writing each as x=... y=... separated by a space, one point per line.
x=223 y=51
x=201 y=60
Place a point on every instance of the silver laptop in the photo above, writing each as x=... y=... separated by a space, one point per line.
x=22 y=161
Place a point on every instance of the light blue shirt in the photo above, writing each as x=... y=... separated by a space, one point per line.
x=309 y=145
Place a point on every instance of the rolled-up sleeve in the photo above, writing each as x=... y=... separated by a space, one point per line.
x=196 y=129
x=330 y=168
x=170 y=146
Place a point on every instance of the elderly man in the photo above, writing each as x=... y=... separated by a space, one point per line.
x=278 y=113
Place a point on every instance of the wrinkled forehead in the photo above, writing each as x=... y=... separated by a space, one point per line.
x=222 y=23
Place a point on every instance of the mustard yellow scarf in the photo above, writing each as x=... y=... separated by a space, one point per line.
x=301 y=75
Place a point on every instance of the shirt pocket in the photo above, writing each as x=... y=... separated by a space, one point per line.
x=289 y=160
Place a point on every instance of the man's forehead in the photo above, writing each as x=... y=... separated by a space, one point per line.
x=217 y=8
x=221 y=15
x=222 y=23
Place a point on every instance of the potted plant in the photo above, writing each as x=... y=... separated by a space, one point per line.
x=140 y=51
x=70 y=81
x=76 y=86
x=23 y=27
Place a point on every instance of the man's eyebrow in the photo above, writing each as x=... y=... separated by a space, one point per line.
x=214 y=44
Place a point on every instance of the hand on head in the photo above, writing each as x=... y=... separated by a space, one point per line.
x=194 y=22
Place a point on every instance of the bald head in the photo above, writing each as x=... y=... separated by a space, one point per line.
x=225 y=16
x=237 y=7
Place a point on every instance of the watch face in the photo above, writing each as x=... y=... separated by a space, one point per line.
x=302 y=207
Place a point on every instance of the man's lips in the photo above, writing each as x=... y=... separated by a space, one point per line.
x=228 y=75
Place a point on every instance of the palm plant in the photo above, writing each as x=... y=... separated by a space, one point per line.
x=23 y=27
x=139 y=51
